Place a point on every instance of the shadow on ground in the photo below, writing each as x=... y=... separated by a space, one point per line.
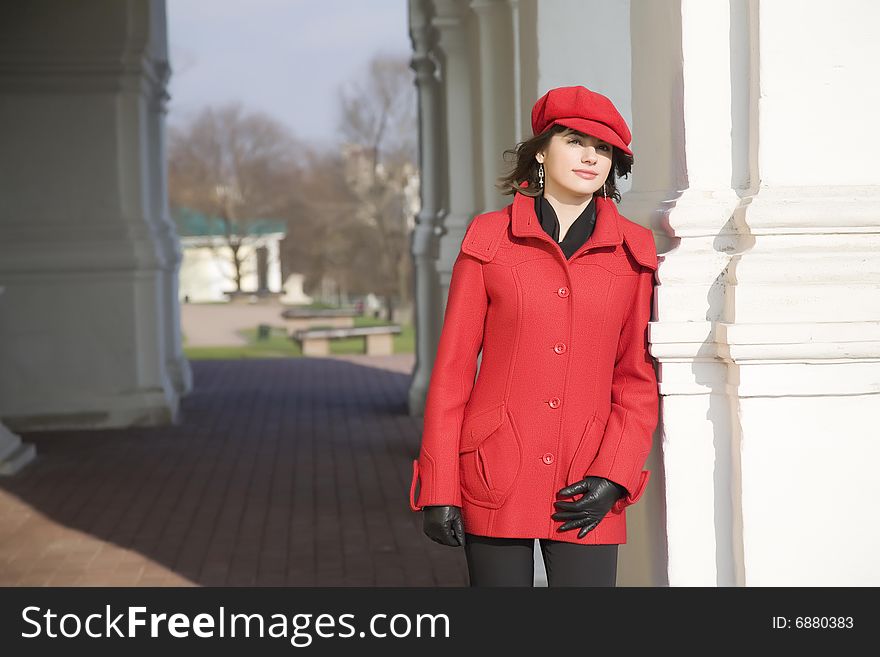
x=281 y=472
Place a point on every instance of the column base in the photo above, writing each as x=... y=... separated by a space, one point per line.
x=143 y=409
x=14 y=454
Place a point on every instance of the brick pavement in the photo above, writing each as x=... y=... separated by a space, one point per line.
x=281 y=472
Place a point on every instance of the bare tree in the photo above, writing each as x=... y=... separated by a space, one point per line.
x=378 y=121
x=322 y=236
x=234 y=166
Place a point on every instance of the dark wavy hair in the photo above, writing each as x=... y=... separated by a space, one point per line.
x=526 y=166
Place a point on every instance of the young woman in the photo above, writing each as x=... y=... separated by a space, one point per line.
x=556 y=289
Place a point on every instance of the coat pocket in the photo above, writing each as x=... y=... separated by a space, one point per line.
x=634 y=497
x=490 y=457
x=586 y=450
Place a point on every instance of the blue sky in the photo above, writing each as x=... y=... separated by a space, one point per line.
x=283 y=57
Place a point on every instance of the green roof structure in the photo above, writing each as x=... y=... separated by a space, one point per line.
x=191 y=223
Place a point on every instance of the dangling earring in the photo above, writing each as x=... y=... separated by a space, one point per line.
x=541 y=174
x=604 y=195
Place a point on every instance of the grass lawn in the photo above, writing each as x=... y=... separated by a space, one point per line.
x=278 y=345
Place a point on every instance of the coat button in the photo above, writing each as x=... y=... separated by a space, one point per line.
x=555 y=402
x=563 y=291
x=559 y=347
x=547 y=458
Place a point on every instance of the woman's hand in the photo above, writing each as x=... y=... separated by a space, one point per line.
x=599 y=496
x=443 y=525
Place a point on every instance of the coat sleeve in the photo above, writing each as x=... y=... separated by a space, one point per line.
x=452 y=379
x=634 y=403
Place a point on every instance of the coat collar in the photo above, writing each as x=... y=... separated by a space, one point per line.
x=607 y=232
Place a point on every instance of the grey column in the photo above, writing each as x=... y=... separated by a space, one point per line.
x=450 y=19
x=87 y=255
x=498 y=100
x=167 y=242
x=425 y=240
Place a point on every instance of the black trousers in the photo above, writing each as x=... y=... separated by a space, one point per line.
x=495 y=561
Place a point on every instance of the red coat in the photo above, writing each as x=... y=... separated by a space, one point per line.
x=566 y=386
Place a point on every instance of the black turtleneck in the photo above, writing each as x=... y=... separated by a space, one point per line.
x=578 y=233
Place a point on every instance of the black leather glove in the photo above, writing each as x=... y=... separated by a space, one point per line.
x=443 y=525
x=600 y=494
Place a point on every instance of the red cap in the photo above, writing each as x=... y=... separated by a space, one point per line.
x=580 y=109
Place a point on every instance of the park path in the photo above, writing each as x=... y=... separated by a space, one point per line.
x=217 y=324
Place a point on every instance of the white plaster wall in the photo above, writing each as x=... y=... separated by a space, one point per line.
x=585 y=42
x=810 y=490
x=819 y=98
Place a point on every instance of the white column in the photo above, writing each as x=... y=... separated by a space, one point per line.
x=682 y=105
x=768 y=305
x=807 y=334
x=90 y=332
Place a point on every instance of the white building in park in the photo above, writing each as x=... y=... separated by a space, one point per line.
x=207 y=271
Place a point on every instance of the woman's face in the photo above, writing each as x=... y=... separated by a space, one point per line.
x=567 y=155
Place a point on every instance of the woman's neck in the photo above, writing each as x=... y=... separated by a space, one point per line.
x=568 y=207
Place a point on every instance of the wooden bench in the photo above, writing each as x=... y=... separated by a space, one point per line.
x=378 y=340
x=262 y=297
x=303 y=318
